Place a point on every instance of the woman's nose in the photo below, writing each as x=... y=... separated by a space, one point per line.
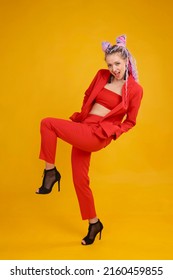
x=113 y=68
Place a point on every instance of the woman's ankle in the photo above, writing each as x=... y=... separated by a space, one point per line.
x=93 y=220
x=49 y=166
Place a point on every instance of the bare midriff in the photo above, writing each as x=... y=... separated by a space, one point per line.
x=99 y=110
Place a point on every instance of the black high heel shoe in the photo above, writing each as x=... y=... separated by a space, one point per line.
x=93 y=230
x=51 y=176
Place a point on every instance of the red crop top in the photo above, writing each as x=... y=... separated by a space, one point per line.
x=108 y=98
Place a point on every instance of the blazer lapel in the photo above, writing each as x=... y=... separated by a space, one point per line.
x=121 y=105
x=100 y=84
x=98 y=87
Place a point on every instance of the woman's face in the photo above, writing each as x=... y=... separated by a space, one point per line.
x=116 y=65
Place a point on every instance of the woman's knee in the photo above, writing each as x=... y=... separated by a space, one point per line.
x=46 y=122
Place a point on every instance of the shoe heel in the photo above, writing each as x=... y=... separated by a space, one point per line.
x=100 y=235
x=59 y=186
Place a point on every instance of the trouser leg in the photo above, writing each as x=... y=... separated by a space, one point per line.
x=81 y=137
x=80 y=168
x=77 y=134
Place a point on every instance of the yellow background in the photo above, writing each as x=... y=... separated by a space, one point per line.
x=50 y=51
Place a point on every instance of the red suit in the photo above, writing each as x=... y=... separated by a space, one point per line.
x=88 y=133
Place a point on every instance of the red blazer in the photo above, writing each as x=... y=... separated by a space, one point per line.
x=121 y=118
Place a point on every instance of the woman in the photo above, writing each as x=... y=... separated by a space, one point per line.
x=109 y=109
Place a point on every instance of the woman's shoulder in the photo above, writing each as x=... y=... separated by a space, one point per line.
x=135 y=84
x=104 y=73
x=135 y=89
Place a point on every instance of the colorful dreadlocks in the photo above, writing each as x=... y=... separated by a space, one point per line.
x=121 y=48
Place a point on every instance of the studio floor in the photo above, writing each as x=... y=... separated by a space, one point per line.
x=138 y=222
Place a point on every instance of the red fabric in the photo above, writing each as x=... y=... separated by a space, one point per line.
x=79 y=135
x=80 y=166
x=88 y=133
x=108 y=98
x=84 y=141
x=122 y=117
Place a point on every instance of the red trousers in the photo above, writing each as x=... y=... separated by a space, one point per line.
x=81 y=136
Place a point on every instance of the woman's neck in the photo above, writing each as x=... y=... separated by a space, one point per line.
x=117 y=82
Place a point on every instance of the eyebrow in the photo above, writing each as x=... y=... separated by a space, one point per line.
x=113 y=62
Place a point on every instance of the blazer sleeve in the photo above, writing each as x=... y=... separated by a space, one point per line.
x=115 y=130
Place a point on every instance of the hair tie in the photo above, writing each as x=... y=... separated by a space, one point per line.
x=121 y=41
x=105 y=46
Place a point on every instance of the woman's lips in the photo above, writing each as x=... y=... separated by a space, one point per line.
x=116 y=74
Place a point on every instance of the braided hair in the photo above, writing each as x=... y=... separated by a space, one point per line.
x=120 y=47
x=131 y=69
